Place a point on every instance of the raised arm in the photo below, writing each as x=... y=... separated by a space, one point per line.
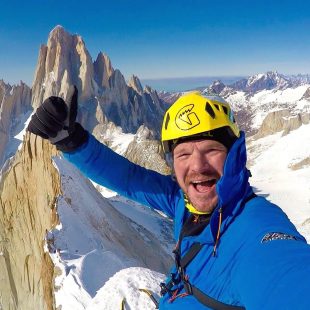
x=115 y=172
x=54 y=120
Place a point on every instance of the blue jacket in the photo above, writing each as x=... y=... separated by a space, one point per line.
x=261 y=261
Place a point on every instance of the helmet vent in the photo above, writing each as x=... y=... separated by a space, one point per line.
x=225 y=110
x=217 y=106
x=209 y=110
x=167 y=121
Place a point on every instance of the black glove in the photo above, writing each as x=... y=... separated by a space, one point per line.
x=53 y=120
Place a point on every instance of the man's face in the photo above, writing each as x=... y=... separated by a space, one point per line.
x=198 y=165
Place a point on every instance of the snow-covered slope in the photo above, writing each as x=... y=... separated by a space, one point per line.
x=105 y=249
x=253 y=98
x=98 y=273
x=258 y=105
x=95 y=240
x=281 y=172
x=128 y=282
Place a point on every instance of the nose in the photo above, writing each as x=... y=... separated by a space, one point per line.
x=199 y=162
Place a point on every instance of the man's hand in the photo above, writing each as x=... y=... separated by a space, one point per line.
x=54 y=120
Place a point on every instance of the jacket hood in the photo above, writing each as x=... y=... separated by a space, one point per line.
x=234 y=182
x=233 y=187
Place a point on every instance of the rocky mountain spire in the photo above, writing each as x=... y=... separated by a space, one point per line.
x=65 y=61
x=135 y=83
x=29 y=190
x=103 y=70
x=15 y=102
x=262 y=81
x=215 y=88
x=62 y=62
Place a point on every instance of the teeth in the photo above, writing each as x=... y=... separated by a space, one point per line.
x=198 y=182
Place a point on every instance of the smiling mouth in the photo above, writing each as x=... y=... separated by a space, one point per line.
x=203 y=186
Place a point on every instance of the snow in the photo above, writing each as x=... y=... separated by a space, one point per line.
x=121 y=141
x=118 y=140
x=280 y=96
x=96 y=276
x=20 y=135
x=237 y=100
x=151 y=219
x=89 y=249
x=255 y=78
x=274 y=177
x=15 y=141
x=126 y=284
x=266 y=101
x=96 y=269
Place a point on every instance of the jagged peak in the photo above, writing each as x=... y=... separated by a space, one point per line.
x=135 y=83
x=57 y=32
x=148 y=89
x=60 y=35
x=3 y=83
x=58 y=28
x=8 y=84
x=216 y=82
x=102 y=57
x=103 y=69
x=269 y=74
x=216 y=87
x=267 y=80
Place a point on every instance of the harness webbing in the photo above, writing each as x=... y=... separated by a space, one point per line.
x=211 y=302
x=193 y=290
x=182 y=262
x=190 y=255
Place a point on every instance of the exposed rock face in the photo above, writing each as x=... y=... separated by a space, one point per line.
x=299 y=79
x=216 y=87
x=301 y=164
x=306 y=94
x=273 y=122
x=135 y=83
x=169 y=97
x=103 y=70
x=65 y=61
x=15 y=102
x=28 y=195
x=296 y=121
x=282 y=120
x=268 y=80
x=147 y=152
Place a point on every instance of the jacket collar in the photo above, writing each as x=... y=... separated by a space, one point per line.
x=232 y=189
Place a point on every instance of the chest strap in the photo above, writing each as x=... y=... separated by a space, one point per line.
x=191 y=289
x=182 y=262
x=211 y=302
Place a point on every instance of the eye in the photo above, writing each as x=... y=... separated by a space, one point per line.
x=215 y=151
x=181 y=155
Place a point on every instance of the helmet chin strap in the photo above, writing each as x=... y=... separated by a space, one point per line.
x=191 y=208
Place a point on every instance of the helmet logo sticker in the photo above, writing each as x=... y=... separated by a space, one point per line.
x=186 y=118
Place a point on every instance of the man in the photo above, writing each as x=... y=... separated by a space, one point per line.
x=235 y=250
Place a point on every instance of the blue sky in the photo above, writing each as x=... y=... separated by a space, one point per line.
x=159 y=39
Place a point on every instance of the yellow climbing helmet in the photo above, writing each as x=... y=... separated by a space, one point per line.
x=196 y=114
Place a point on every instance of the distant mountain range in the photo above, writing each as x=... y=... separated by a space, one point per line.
x=56 y=229
x=187 y=83
x=256 y=96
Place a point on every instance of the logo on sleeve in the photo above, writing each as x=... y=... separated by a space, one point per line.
x=277 y=236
